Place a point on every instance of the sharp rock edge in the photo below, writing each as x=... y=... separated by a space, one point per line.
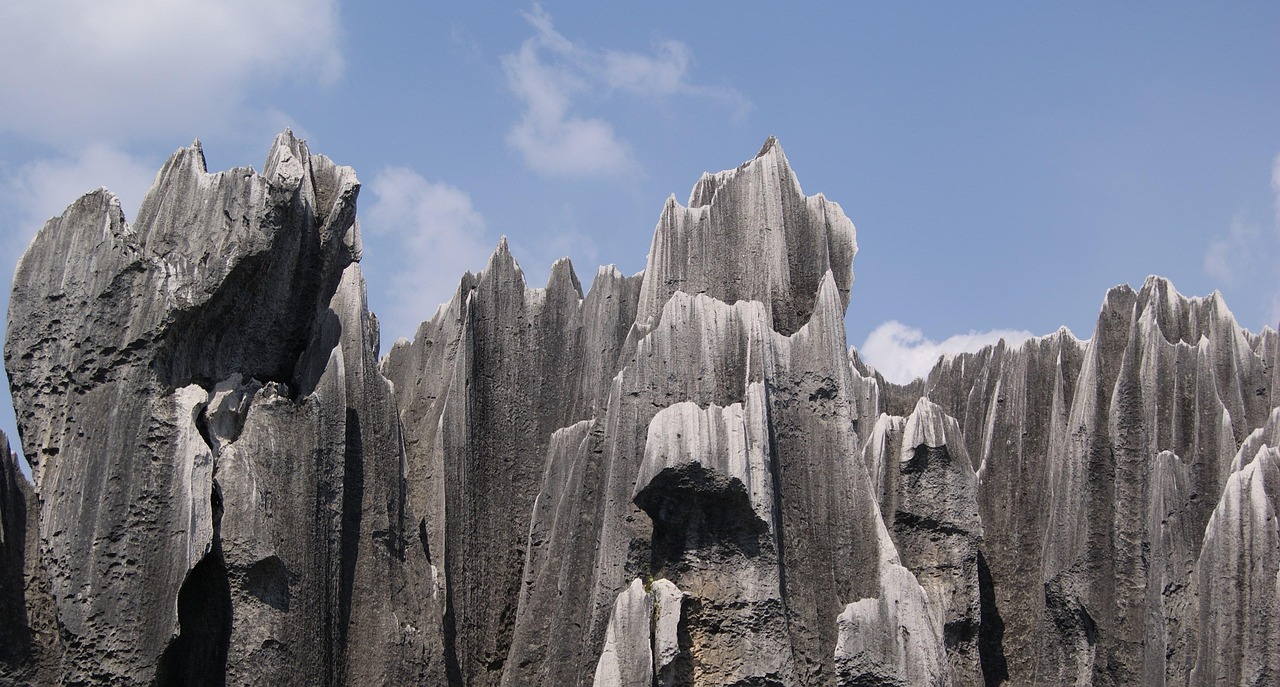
x=682 y=477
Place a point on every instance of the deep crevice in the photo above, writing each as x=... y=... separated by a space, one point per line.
x=995 y=669
x=198 y=655
x=352 y=516
x=695 y=508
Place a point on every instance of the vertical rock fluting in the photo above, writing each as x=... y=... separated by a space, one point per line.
x=682 y=477
x=1099 y=465
x=185 y=386
x=928 y=498
x=29 y=640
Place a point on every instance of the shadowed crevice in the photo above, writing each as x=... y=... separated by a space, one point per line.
x=198 y=655
x=695 y=508
x=995 y=669
x=352 y=516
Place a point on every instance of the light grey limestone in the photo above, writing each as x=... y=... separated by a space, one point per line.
x=207 y=511
x=627 y=657
x=927 y=491
x=1099 y=464
x=1238 y=576
x=681 y=477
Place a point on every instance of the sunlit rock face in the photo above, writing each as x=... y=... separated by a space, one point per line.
x=682 y=477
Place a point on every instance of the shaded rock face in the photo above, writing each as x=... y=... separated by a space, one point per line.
x=681 y=477
x=216 y=457
x=1102 y=466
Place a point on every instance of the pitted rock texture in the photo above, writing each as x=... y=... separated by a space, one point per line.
x=216 y=457
x=682 y=477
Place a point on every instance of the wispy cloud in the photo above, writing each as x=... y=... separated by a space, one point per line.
x=431 y=235
x=44 y=188
x=1248 y=254
x=1275 y=263
x=551 y=74
x=1227 y=255
x=902 y=353
x=77 y=71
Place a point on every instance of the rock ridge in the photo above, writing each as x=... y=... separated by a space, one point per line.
x=680 y=477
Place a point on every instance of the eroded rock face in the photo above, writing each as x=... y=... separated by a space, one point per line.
x=682 y=477
x=1099 y=464
x=215 y=453
x=928 y=498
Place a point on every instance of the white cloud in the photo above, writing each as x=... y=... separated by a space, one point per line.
x=81 y=70
x=551 y=75
x=1228 y=255
x=430 y=235
x=1248 y=255
x=903 y=353
x=42 y=189
x=1275 y=185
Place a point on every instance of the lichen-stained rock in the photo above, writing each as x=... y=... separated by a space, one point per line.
x=16 y=643
x=482 y=390
x=707 y=486
x=708 y=356
x=1171 y=617
x=892 y=638
x=29 y=641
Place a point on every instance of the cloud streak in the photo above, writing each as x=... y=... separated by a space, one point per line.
x=552 y=75
x=902 y=353
x=430 y=233
x=1248 y=254
x=76 y=71
x=44 y=188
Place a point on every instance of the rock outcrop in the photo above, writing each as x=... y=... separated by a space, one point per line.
x=681 y=477
x=216 y=456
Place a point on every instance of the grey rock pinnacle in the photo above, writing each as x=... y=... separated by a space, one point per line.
x=681 y=477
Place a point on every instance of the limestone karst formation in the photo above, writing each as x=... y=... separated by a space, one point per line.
x=683 y=477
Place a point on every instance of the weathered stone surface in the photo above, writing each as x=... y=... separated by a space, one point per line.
x=1099 y=464
x=682 y=477
x=627 y=657
x=29 y=641
x=928 y=498
x=1238 y=578
x=751 y=234
x=180 y=385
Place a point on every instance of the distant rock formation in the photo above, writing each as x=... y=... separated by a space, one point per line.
x=682 y=478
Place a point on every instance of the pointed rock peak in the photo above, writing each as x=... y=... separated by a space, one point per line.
x=708 y=184
x=1220 y=307
x=1158 y=284
x=286 y=138
x=827 y=316
x=609 y=272
x=189 y=160
x=288 y=158
x=929 y=425
x=1121 y=295
x=502 y=246
x=563 y=277
x=770 y=144
x=501 y=261
x=1118 y=310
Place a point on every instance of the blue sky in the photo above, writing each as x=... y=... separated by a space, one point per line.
x=1004 y=164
